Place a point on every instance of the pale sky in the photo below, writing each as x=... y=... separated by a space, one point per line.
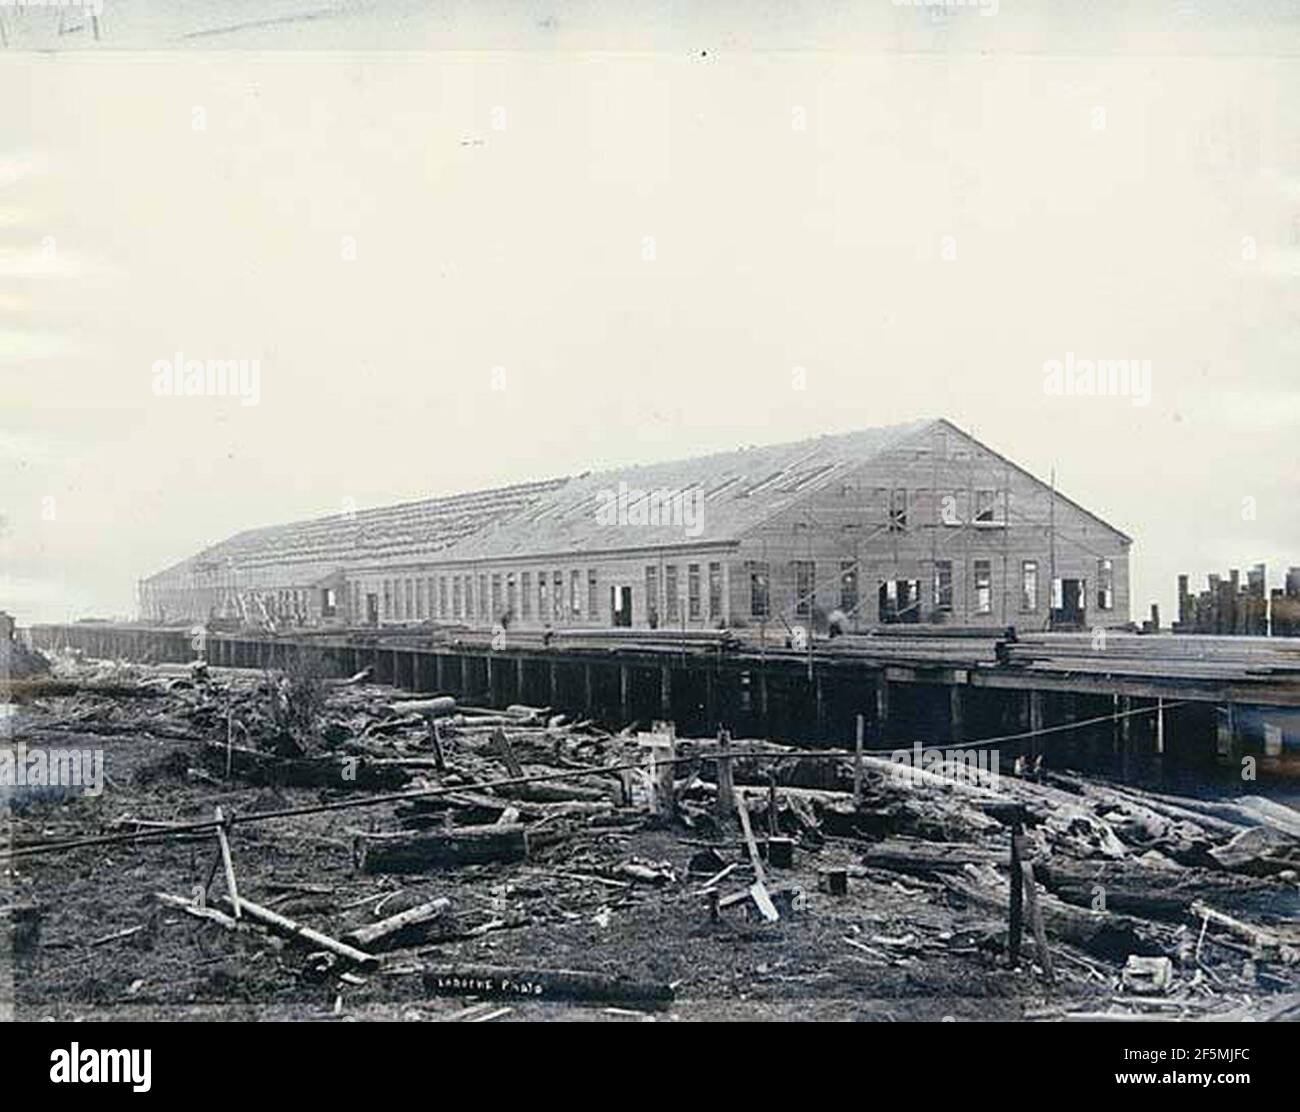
x=648 y=230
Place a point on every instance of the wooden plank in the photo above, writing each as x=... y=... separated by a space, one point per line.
x=226 y=863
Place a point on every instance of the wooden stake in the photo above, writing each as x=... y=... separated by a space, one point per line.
x=227 y=864
x=1036 y=920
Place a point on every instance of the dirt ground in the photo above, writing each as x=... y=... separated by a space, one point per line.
x=894 y=948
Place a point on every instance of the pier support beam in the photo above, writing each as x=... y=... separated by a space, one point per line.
x=879 y=724
x=1036 y=744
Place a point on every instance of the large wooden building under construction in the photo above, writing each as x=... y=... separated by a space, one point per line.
x=916 y=523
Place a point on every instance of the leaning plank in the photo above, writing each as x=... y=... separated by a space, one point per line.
x=541 y=984
x=1036 y=921
x=289 y=928
x=411 y=925
x=465 y=845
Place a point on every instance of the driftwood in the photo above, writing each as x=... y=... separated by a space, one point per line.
x=289 y=928
x=556 y=791
x=541 y=984
x=1103 y=933
x=438 y=707
x=412 y=925
x=198 y=911
x=1260 y=939
x=1145 y=891
x=1259 y=851
x=906 y=855
x=488 y=808
x=465 y=845
x=313 y=772
x=41 y=688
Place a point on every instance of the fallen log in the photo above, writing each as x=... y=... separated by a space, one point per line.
x=289 y=928
x=1149 y=893
x=438 y=707
x=41 y=688
x=542 y=984
x=927 y=858
x=1260 y=850
x=411 y=925
x=555 y=791
x=310 y=772
x=1173 y=810
x=491 y=805
x=465 y=845
x=1102 y=933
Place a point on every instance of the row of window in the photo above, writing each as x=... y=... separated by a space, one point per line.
x=902 y=597
x=561 y=597
x=669 y=604
x=986 y=506
x=487 y=596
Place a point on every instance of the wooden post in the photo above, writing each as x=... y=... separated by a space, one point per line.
x=624 y=692
x=1016 y=909
x=231 y=887
x=1125 y=733
x=857 y=766
x=661 y=749
x=588 y=691
x=1035 y=722
x=772 y=829
x=882 y=708
x=726 y=789
x=1160 y=726
x=665 y=692
x=956 y=729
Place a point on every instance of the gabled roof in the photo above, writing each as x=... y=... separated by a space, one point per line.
x=945 y=423
x=740 y=490
x=409 y=530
